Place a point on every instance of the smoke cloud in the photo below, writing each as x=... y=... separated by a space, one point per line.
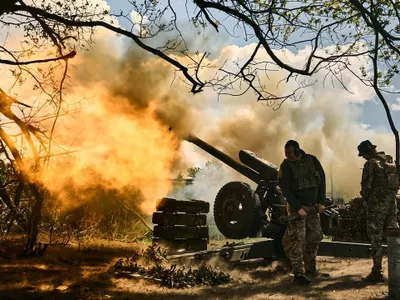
x=325 y=122
x=132 y=115
x=128 y=129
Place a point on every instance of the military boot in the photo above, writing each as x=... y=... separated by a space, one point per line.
x=301 y=280
x=374 y=277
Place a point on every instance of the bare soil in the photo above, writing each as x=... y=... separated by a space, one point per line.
x=66 y=273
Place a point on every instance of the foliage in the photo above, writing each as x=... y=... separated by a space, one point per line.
x=353 y=222
x=168 y=275
x=42 y=41
x=192 y=171
x=333 y=33
x=340 y=200
x=96 y=212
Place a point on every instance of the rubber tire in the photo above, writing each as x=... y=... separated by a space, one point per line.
x=250 y=221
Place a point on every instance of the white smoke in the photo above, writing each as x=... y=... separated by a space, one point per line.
x=326 y=122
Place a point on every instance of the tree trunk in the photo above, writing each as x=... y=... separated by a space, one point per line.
x=36 y=215
x=378 y=92
x=17 y=200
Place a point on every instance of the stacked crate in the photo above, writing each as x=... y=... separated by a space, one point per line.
x=181 y=225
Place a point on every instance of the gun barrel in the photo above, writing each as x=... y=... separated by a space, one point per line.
x=266 y=169
x=242 y=169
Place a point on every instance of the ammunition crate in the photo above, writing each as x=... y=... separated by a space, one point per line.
x=181 y=225
x=173 y=205
x=172 y=219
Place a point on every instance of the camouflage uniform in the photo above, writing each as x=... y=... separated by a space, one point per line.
x=303 y=184
x=381 y=198
x=301 y=241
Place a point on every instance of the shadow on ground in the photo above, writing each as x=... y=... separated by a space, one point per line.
x=66 y=273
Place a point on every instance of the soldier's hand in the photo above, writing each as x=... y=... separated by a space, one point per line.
x=321 y=208
x=302 y=212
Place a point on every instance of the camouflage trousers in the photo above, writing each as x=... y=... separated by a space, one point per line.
x=381 y=214
x=301 y=241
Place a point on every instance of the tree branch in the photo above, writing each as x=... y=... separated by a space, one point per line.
x=196 y=86
x=383 y=100
x=38 y=61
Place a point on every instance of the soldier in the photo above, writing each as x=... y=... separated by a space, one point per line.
x=379 y=185
x=302 y=181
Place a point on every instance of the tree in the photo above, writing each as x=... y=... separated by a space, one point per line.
x=41 y=59
x=192 y=171
x=354 y=28
x=333 y=32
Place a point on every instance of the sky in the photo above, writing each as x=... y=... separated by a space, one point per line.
x=372 y=111
x=327 y=121
x=126 y=101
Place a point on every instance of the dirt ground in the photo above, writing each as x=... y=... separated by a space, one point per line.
x=66 y=273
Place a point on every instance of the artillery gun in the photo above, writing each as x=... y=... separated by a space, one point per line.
x=240 y=211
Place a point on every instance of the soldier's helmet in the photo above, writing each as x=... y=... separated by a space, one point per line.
x=365 y=147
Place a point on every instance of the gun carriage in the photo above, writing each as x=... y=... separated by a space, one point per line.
x=241 y=212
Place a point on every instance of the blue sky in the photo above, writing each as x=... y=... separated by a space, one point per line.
x=371 y=112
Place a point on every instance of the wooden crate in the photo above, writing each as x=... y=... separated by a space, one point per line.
x=181 y=225
x=172 y=219
x=173 y=205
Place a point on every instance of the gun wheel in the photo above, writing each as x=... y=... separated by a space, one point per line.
x=237 y=211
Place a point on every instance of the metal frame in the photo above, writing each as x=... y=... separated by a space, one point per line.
x=266 y=249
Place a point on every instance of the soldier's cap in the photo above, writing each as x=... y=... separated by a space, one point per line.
x=365 y=147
